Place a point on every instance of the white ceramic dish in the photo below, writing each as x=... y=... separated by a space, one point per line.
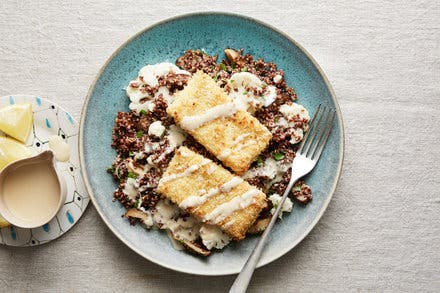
x=49 y=120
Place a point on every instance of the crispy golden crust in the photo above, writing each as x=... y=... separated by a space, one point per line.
x=206 y=177
x=235 y=140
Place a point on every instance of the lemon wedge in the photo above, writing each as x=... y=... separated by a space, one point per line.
x=11 y=150
x=3 y=222
x=16 y=120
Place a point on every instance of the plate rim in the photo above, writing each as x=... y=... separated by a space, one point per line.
x=281 y=252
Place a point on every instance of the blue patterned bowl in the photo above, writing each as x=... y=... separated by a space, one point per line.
x=167 y=40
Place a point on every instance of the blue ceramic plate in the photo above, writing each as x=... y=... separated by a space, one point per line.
x=167 y=40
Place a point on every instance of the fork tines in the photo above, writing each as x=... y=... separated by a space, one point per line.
x=318 y=132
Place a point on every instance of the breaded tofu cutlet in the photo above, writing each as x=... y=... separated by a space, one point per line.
x=211 y=193
x=205 y=111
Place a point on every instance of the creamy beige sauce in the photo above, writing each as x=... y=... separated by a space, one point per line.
x=227 y=152
x=31 y=192
x=238 y=85
x=213 y=237
x=193 y=122
x=130 y=188
x=229 y=224
x=191 y=169
x=228 y=208
x=176 y=244
x=228 y=186
x=60 y=149
x=194 y=200
x=149 y=75
x=197 y=200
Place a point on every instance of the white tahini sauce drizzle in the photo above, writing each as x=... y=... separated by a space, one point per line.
x=227 y=152
x=226 y=209
x=176 y=136
x=138 y=170
x=292 y=112
x=212 y=237
x=149 y=75
x=130 y=188
x=166 y=217
x=270 y=168
x=229 y=224
x=176 y=244
x=193 y=122
x=191 y=169
x=197 y=200
x=238 y=86
x=276 y=199
x=194 y=200
x=228 y=186
x=211 y=169
x=156 y=128
x=277 y=78
x=167 y=151
x=60 y=149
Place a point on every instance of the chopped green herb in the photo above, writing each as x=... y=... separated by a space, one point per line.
x=278 y=156
x=130 y=153
x=139 y=134
x=216 y=76
x=131 y=175
x=259 y=161
x=263 y=86
x=232 y=65
x=297 y=188
x=244 y=69
x=117 y=172
x=232 y=80
x=143 y=112
x=111 y=169
x=270 y=191
x=137 y=203
x=222 y=66
x=245 y=92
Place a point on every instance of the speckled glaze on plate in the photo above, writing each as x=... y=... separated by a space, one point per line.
x=50 y=119
x=166 y=41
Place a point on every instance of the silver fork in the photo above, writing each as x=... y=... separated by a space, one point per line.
x=305 y=160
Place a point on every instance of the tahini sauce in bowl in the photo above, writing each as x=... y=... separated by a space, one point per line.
x=31 y=192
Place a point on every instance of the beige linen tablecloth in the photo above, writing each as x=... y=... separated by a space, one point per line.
x=381 y=231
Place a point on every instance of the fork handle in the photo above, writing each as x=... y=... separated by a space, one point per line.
x=242 y=281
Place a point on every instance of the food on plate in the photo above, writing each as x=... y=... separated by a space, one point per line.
x=3 y=222
x=16 y=120
x=211 y=193
x=12 y=150
x=149 y=144
x=221 y=125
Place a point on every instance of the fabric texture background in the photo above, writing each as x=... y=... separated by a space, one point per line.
x=381 y=231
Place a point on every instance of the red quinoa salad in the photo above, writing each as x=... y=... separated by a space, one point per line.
x=146 y=138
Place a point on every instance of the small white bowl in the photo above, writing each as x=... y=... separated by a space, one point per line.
x=45 y=157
